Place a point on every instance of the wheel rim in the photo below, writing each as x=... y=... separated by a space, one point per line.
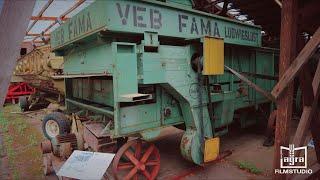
x=52 y=128
x=136 y=159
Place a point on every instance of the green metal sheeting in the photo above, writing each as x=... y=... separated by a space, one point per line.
x=164 y=18
x=132 y=62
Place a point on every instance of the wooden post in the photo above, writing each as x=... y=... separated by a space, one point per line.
x=316 y=133
x=288 y=36
x=14 y=21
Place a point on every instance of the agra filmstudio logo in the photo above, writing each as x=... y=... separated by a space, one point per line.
x=293 y=164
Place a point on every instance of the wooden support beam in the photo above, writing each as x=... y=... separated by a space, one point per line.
x=306 y=89
x=315 y=127
x=303 y=126
x=297 y=64
x=251 y=84
x=305 y=85
x=224 y=10
x=14 y=21
x=308 y=112
x=316 y=80
x=316 y=133
x=308 y=96
x=287 y=54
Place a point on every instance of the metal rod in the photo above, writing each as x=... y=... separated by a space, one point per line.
x=91 y=108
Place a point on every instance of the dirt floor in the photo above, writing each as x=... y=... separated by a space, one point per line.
x=20 y=134
x=21 y=156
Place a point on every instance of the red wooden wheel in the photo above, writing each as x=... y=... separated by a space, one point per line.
x=136 y=160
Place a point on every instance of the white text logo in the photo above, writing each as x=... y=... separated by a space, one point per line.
x=293 y=160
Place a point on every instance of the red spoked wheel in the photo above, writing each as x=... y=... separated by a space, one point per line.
x=136 y=160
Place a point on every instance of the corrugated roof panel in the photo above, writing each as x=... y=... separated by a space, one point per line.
x=30 y=22
x=40 y=26
x=59 y=7
x=56 y=9
x=38 y=6
x=82 y=6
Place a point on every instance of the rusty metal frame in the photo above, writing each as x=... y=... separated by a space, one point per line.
x=43 y=9
x=47 y=18
x=39 y=17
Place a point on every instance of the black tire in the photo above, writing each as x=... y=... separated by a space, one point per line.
x=180 y=126
x=60 y=119
x=23 y=104
x=120 y=142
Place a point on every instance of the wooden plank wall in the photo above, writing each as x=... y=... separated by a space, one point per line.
x=14 y=21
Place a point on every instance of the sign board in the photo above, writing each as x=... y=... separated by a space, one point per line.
x=151 y=16
x=86 y=165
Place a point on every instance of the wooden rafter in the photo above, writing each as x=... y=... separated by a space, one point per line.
x=297 y=64
x=47 y=18
x=43 y=9
x=76 y=5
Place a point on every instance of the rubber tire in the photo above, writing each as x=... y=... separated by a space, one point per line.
x=23 y=103
x=62 y=121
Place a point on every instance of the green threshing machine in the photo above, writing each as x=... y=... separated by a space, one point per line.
x=133 y=67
